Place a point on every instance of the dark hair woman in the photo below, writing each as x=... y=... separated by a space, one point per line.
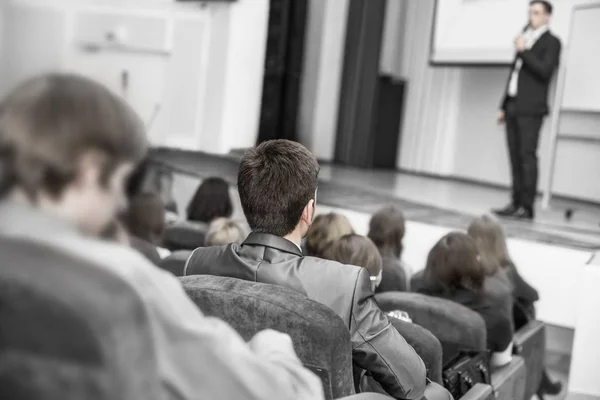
x=454 y=272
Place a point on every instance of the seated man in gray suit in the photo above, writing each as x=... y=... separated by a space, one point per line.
x=67 y=146
x=277 y=184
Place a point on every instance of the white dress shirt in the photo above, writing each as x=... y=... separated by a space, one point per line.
x=531 y=37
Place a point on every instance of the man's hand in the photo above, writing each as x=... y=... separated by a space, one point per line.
x=269 y=341
x=500 y=118
x=520 y=43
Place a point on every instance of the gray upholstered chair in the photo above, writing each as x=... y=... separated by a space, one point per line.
x=175 y=263
x=427 y=346
x=320 y=337
x=70 y=331
x=185 y=235
x=530 y=343
x=456 y=327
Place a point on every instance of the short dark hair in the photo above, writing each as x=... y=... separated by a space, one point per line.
x=547 y=5
x=453 y=263
x=386 y=230
x=49 y=122
x=275 y=181
x=211 y=201
x=355 y=250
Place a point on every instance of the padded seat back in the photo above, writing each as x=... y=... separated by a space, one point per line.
x=185 y=235
x=321 y=339
x=530 y=343
x=456 y=327
x=69 y=330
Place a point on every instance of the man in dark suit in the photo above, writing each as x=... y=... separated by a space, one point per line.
x=524 y=105
x=277 y=185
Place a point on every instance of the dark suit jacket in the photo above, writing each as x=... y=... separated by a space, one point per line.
x=539 y=64
x=377 y=347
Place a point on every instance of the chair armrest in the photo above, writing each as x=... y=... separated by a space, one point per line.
x=479 y=392
x=509 y=381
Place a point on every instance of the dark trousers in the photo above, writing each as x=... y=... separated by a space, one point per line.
x=522 y=135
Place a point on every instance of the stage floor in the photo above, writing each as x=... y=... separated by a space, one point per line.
x=440 y=202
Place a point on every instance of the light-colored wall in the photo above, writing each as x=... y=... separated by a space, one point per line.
x=198 y=76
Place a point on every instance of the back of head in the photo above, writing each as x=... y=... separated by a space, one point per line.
x=453 y=263
x=355 y=250
x=49 y=123
x=386 y=230
x=224 y=231
x=489 y=238
x=276 y=181
x=210 y=201
x=145 y=217
x=325 y=229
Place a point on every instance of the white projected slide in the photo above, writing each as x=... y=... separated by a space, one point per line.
x=477 y=31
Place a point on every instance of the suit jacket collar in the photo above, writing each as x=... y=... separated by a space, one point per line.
x=272 y=241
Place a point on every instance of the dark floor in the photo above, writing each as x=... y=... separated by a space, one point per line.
x=428 y=200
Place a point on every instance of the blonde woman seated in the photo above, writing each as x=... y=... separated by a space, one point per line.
x=454 y=272
x=324 y=230
x=224 y=231
x=357 y=250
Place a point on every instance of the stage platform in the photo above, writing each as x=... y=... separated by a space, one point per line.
x=428 y=200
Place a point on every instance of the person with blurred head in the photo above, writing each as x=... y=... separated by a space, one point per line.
x=325 y=229
x=386 y=230
x=67 y=145
x=356 y=250
x=454 y=272
x=524 y=105
x=223 y=231
x=277 y=183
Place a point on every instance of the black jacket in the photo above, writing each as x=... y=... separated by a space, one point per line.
x=377 y=346
x=539 y=64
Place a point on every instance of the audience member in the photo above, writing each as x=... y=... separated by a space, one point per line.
x=491 y=243
x=67 y=145
x=223 y=231
x=386 y=230
x=210 y=201
x=325 y=229
x=277 y=183
x=357 y=250
x=454 y=272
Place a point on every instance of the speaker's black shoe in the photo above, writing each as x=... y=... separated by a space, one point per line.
x=523 y=213
x=549 y=387
x=506 y=211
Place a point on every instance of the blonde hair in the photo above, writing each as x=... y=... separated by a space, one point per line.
x=224 y=231
x=489 y=238
x=325 y=229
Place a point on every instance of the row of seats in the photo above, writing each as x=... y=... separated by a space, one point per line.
x=455 y=326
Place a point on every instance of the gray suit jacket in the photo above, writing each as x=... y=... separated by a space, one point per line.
x=377 y=346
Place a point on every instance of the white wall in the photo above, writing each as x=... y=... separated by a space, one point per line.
x=195 y=71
